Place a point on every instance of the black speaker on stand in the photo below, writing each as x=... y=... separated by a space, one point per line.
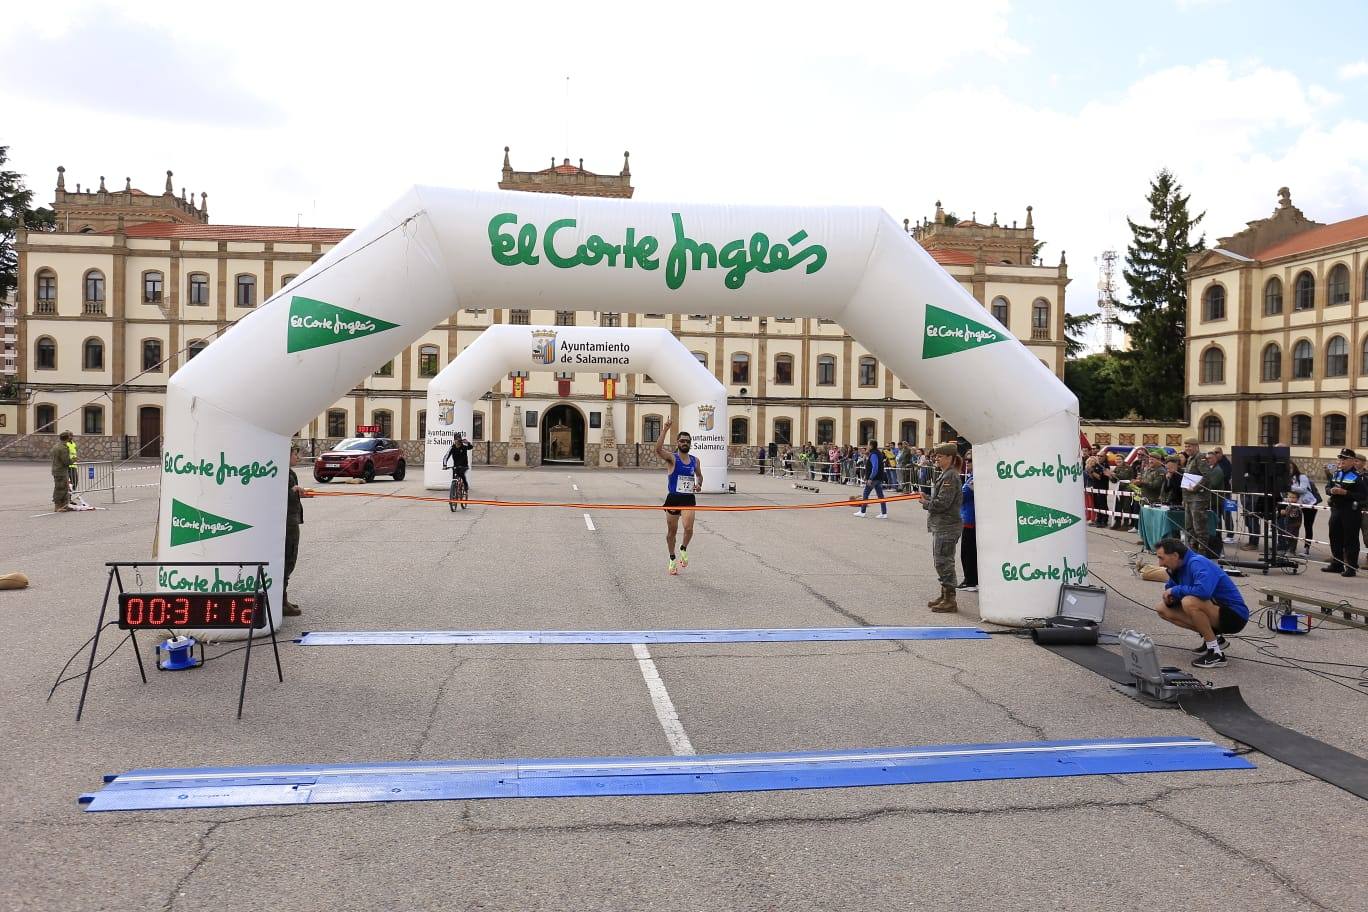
x=1264 y=475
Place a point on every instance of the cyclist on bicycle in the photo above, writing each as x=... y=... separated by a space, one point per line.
x=457 y=456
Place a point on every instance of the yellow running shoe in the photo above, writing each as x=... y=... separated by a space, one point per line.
x=683 y=558
x=674 y=567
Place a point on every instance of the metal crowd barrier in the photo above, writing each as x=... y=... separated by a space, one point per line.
x=109 y=477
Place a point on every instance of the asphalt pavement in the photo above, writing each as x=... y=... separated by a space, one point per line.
x=1272 y=838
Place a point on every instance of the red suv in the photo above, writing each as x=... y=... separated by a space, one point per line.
x=361 y=457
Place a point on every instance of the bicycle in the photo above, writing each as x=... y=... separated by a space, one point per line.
x=459 y=491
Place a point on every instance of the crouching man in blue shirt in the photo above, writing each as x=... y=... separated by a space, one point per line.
x=1201 y=597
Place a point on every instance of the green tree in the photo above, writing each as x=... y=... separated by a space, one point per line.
x=1104 y=384
x=1155 y=316
x=16 y=211
x=1074 y=326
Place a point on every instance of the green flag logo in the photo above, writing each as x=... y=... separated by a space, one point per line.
x=190 y=524
x=948 y=332
x=1035 y=521
x=314 y=324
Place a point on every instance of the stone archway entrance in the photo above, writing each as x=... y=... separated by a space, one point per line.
x=562 y=435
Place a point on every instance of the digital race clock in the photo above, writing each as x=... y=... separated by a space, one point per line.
x=191 y=610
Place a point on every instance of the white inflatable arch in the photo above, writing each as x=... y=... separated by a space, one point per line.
x=232 y=410
x=499 y=349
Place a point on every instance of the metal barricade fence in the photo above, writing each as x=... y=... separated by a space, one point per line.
x=95 y=478
x=109 y=477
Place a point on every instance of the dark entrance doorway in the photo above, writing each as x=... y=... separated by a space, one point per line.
x=149 y=431
x=562 y=435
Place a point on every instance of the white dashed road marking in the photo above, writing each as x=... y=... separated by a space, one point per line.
x=664 y=708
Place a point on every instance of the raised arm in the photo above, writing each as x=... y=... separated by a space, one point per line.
x=660 y=441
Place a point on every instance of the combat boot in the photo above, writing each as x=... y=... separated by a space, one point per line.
x=947 y=604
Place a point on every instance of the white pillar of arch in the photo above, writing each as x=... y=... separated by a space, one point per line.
x=435 y=251
x=499 y=349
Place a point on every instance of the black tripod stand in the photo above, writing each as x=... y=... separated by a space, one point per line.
x=1263 y=474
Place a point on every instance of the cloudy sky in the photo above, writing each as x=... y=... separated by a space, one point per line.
x=319 y=113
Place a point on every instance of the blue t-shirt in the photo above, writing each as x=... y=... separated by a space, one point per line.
x=683 y=469
x=967 y=504
x=1199 y=576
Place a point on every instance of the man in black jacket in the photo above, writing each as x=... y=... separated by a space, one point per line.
x=459 y=457
x=294 y=518
x=1348 y=492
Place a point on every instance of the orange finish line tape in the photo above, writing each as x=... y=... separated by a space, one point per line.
x=751 y=508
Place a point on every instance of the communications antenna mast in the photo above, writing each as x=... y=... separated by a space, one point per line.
x=1106 y=294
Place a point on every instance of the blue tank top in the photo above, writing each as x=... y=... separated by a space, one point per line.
x=682 y=471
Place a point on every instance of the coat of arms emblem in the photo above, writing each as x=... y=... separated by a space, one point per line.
x=446 y=410
x=705 y=417
x=544 y=346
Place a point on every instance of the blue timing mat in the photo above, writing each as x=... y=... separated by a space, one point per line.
x=571 y=637
x=155 y=789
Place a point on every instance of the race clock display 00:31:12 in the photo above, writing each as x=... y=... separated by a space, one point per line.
x=190 y=610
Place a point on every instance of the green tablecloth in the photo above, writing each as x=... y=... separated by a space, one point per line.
x=1159 y=522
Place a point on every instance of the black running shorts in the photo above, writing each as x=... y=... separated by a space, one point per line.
x=1229 y=621
x=679 y=500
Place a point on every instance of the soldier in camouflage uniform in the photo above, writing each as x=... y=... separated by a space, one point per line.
x=1152 y=479
x=1125 y=520
x=944 y=522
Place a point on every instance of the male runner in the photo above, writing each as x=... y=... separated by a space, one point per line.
x=686 y=477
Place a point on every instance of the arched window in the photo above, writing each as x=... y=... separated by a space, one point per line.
x=869 y=371
x=383 y=419
x=194 y=348
x=1301 y=430
x=385 y=370
x=428 y=356
x=740 y=368
x=152 y=355
x=45 y=292
x=650 y=428
x=1040 y=319
x=783 y=370
x=1336 y=430
x=477 y=426
x=1337 y=357
x=45 y=353
x=826 y=430
x=868 y=430
x=1213 y=365
x=1271 y=362
x=1273 y=294
x=1269 y=430
x=337 y=423
x=1211 y=429
x=700 y=357
x=908 y=431
x=152 y=287
x=1337 y=285
x=197 y=289
x=783 y=431
x=92 y=355
x=947 y=433
x=287 y=279
x=826 y=370
x=1000 y=309
x=740 y=431
x=92 y=420
x=246 y=291
x=1303 y=361
x=44 y=418
x=1304 y=292
x=94 y=285
x=1214 y=303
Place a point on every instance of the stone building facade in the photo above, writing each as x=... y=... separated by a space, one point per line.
x=1277 y=342
x=132 y=286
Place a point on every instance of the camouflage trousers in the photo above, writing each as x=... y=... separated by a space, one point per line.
x=943 y=555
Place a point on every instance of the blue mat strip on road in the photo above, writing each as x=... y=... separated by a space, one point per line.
x=155 y=789
x=572 y=637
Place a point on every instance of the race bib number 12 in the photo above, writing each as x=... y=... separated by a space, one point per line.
x=684 y=484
